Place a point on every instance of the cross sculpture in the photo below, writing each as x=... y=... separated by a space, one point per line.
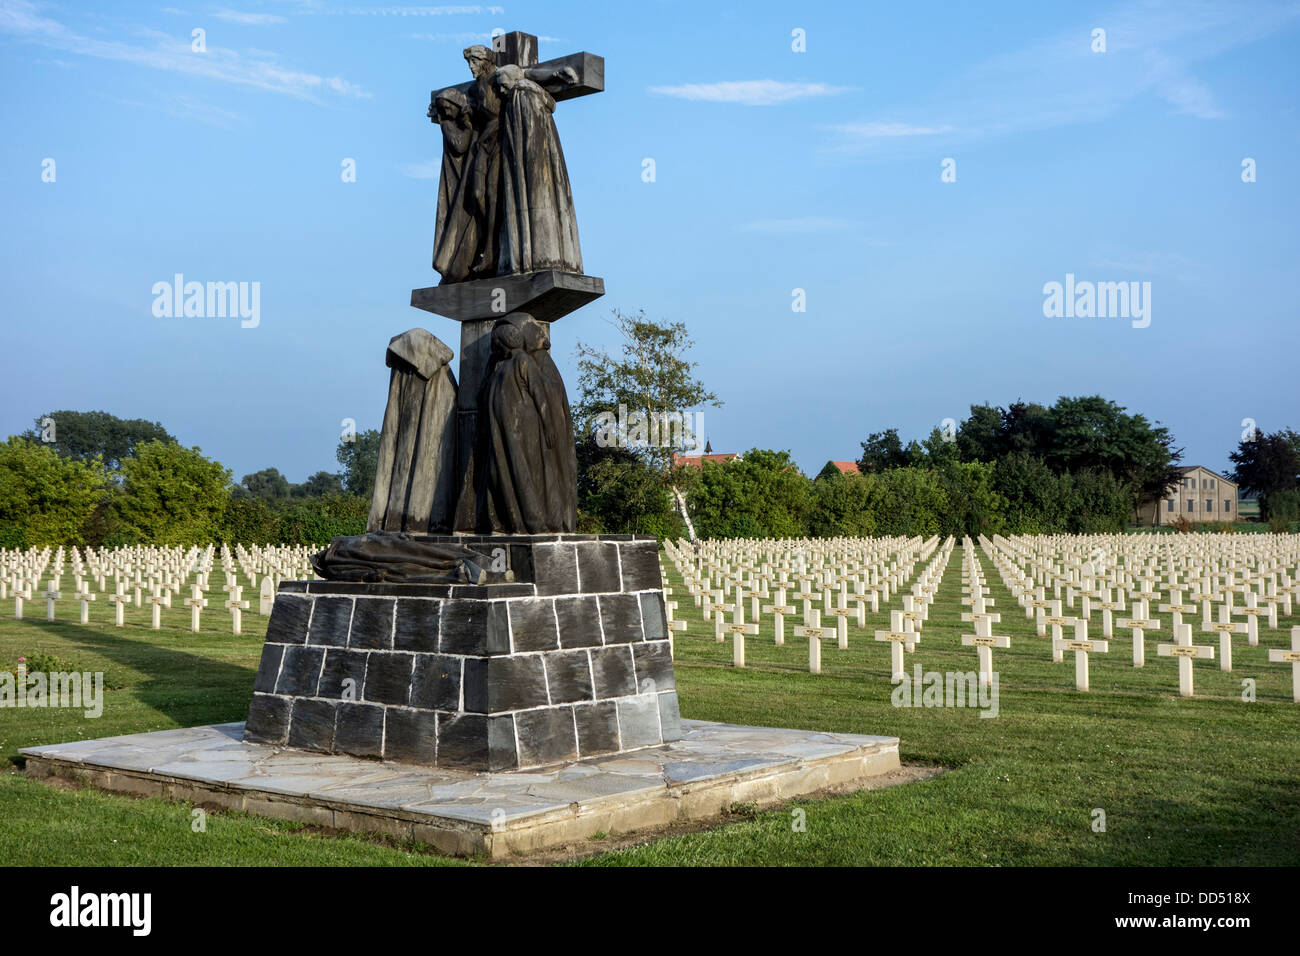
x=1186 y=652
x=814 y=632
x=119 y=599
x=1290 y=656
x=1081 y=646
x=51 y=594
x=156 y=602
x=506 y=235
x=779 y=609
x=738 y=629
x=1225 y=627
x=85 y=596
x=196 y=602
x=236 y=605
x=899 y=637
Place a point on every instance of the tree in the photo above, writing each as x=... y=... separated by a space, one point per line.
x=1032 y=493
x=1026 y=427
x=623 y=401
x=85 y=436
x=268 y=484
x=360 y=458
x=1093 y=433
x=883 y=451
x=172 y=495
x=761 y=495
x=1267 y=466
x=620 y=493
x=975 y=506
x=45 y=498
x=845 y=505
x=319 y=485
x=982 y=437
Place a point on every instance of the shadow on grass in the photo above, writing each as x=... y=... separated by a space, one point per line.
x=186 y=687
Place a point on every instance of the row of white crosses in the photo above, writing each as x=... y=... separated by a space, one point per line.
x=904 y=632
x=1114 y=573
x=975 y=594
x=844 y=576
x=149 y=576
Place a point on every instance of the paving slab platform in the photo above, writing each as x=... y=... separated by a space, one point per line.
x=495 y=815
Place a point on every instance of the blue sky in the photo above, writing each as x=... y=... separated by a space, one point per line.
x=775 y=170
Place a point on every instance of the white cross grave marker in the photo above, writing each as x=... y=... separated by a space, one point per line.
x=1186 y=652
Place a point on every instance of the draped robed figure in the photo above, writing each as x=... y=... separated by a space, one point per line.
x=539 y=229
x=415 y=487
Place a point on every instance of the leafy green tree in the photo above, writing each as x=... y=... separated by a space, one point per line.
x=318 y=520
x=619 y=493
x=883 y=451
x=1093 y=433
x=249 y=521
x=1267 y=466
x=1026 y=427
x=981 y=437
x=268 y=484
x=172 y=495
x=319 y=485
x=651 y=375
x=1032 y=493
x=86 y=436
x=845 y=505
x=975 y=506
x=761 y=495
x=45 y=498
x=1095 y=502
x=934 y=451
x=360 y=459
x=914 y=502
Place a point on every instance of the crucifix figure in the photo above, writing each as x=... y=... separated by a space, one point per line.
x=505 y=206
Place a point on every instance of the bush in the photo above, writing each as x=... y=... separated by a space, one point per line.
x=172 y=495
x=762 y=495
x=46 y=499
x=317 y=520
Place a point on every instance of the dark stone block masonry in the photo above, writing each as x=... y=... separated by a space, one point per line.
x=569 y=660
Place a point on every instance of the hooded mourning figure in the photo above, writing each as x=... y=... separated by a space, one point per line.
x=466 y=233
x=416 y=471
x=450 y=110
x=560 y=460
x=515 y=433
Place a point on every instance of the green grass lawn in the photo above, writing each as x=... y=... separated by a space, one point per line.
x=1211 y=780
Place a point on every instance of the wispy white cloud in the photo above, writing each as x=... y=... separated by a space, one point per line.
x=877 y=130
x=185 y=107
x=21 y=19
x=1153 y=52
x=249 y=19
x=749 y=92
x=484 y=38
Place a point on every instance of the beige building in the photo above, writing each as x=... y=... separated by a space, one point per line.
x=1199 y=495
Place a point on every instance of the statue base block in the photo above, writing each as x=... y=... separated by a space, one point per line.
x=568 y=660
x=546 y=296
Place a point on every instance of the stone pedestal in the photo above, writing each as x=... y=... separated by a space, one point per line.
x=478 y=305
x=569 y=660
